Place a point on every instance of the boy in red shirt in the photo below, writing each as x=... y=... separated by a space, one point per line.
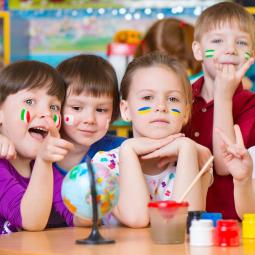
x=224 y=42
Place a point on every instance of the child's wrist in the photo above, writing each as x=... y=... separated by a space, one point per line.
x=244 y=182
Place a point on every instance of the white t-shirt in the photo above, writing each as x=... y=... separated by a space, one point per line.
x=160 y=186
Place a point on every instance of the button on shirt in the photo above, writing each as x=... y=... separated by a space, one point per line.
x=220 y=195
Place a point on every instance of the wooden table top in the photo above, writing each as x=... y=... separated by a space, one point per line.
x=128 y=241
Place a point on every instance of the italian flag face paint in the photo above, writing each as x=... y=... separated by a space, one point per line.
x=68 y=120
x=56 y=119
x=209 y=53
x=247 y=55
x=25 y=115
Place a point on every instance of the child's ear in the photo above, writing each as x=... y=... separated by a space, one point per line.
x=124 y=110
x=197 y=51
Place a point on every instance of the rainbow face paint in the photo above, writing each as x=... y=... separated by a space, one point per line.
x=144 y=110
x=175 y=112
x=209 y=53
x=247 y=55
x=68 y=120
x=56 y=120
x=25 y=116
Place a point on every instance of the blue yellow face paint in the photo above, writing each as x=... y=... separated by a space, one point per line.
x=247 y=55
x=144 y=110
x=209 y=53
x=175 y=112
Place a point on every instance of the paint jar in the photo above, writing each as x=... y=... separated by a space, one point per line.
x=248 y=225
x=168 y=221
x=193 y=215
x=201 y=233
x=211 y=216
x=227 y=233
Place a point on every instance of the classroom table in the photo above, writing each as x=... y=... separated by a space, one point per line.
x=128 y=241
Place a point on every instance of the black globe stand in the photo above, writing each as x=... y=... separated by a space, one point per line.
x=94 y=237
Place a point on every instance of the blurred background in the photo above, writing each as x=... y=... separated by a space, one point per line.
x=53 y=30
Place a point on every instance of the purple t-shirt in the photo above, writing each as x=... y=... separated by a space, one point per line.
x=12 y=189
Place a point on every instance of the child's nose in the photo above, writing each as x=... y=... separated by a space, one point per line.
x=89 y=118
x=161 y=107
x=45 y=113
x=230 y=49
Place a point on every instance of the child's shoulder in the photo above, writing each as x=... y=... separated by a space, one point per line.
x=243 y=98
x=6 y=166
x=108 y=142
x=107 y=157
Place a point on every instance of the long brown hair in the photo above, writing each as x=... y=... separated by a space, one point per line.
x=173 y=37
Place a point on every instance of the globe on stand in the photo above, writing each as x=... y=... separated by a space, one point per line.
x=90 y=191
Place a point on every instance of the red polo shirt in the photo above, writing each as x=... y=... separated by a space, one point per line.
x=220 y=197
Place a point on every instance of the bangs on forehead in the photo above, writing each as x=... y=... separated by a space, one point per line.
x=229 y=21
x=47 y=81
x=101 y=89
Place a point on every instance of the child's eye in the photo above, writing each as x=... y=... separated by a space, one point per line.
x=29 y=101
x=55 y=108
x=147 y=98
x=243 y=43
x=102 y=110
x=217 y=41
x=76 y=108
x=173 y=99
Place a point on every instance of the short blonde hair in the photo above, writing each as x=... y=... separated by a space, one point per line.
x=222 y=13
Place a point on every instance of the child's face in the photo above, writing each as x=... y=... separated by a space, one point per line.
x=156 y=103
x=86 y=118
x=23 y=119
x=226 y=44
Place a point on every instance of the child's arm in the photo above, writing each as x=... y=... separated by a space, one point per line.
x=37 y=201
x=187 y=169
x=131 y=209
x=239 y=163
x=226 y=82
x=7 y=149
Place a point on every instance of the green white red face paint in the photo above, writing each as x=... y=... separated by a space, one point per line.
x=25 y=115
x=247 y=55
x=68 y=119
x=56 y=120
x=144 y=110
x=209 y=53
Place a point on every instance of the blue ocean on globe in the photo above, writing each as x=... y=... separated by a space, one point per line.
x=76 y=192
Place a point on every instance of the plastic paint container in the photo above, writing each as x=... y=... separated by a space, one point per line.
x=201 y=233
x=248 y=225
x=193 y=215
x=227 y=233
x=168 y=221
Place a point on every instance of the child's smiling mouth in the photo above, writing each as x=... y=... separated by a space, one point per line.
x=38 y=133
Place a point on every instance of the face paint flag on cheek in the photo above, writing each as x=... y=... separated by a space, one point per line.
x=25 y=115
x=247 y=55
x=56 y=120
x=209 y=53
x=175 y=112
x=144 y=110
x=68 y=120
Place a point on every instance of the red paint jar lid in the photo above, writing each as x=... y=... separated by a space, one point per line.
x=227 y=233
x=167 y=204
